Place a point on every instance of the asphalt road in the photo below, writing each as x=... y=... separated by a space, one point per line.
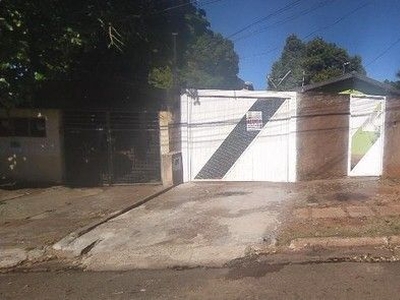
x=246 y=281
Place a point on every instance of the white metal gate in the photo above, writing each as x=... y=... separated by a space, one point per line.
x=366 y=136
x=238 y=136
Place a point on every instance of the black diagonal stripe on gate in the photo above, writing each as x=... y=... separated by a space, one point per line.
x=237 y=141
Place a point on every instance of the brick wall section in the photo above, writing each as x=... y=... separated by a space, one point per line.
x=322 y=136
x=391 y=157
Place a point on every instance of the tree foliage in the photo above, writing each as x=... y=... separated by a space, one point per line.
x=311 y=62
x=291 y=61
x=110 y=41
x=396 y=83
x=211 y=62
x=36 y=42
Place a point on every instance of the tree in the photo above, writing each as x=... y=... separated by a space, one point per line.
x=291 y=61
x=395 y=84
x=37 y=42
x=210 y=62
x=125 y=41
x=311 y=62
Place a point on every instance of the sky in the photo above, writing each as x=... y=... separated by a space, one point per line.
x=259 y=29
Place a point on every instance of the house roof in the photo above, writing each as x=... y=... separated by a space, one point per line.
x=240 y=94
x=352 y=81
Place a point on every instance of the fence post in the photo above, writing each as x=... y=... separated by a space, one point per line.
x=165 y=118
x=109 y=150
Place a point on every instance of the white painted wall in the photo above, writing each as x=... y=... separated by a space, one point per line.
x=210 y=117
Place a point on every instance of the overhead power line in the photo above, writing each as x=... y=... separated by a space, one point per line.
x=263 y=19
x=302 y=13
x=167 y=9
x=384 y=52
x=277 y=12
x=364 y=4
x=339 y=20
x=326 y=27
x=205 y=3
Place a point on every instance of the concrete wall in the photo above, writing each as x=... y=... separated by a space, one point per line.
x=171 y=159
x=322 y=136
x=33 y=159
x=391 y=157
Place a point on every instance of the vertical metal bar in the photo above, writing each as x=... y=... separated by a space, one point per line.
x=109 y=149
x=383 y=133
x=350 y=137
x=287 y=134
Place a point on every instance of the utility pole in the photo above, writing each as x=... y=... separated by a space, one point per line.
x=174 y=67
x=175 y=99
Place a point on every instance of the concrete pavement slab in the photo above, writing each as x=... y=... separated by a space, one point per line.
x=193 y=224
x=11 y=257
x=37 y=218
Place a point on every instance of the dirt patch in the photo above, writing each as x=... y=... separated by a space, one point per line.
x=351 y=195
x=342 y=227
x=336 y=198
x=345 y=197
x=351 y=191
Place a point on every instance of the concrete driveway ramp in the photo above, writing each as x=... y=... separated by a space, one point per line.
x=195 y=224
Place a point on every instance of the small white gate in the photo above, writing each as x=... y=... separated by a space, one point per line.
x=238 y=136
x=366 y=136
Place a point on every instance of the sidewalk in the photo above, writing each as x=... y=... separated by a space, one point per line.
x=299 y=222
x=31 y=220
x=342 y=213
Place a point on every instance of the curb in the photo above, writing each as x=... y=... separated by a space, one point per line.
x=339 y=242
x=332 y=255
x=85 y=229
x=12 y=257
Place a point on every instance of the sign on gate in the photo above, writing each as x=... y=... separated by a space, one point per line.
x=254 y=121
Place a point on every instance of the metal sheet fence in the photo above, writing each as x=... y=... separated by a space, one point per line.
x=111 y=147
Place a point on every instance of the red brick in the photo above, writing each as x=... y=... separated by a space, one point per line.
x=390 y=210
x=329 y=212
x=359 y=211
x=302 y=213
